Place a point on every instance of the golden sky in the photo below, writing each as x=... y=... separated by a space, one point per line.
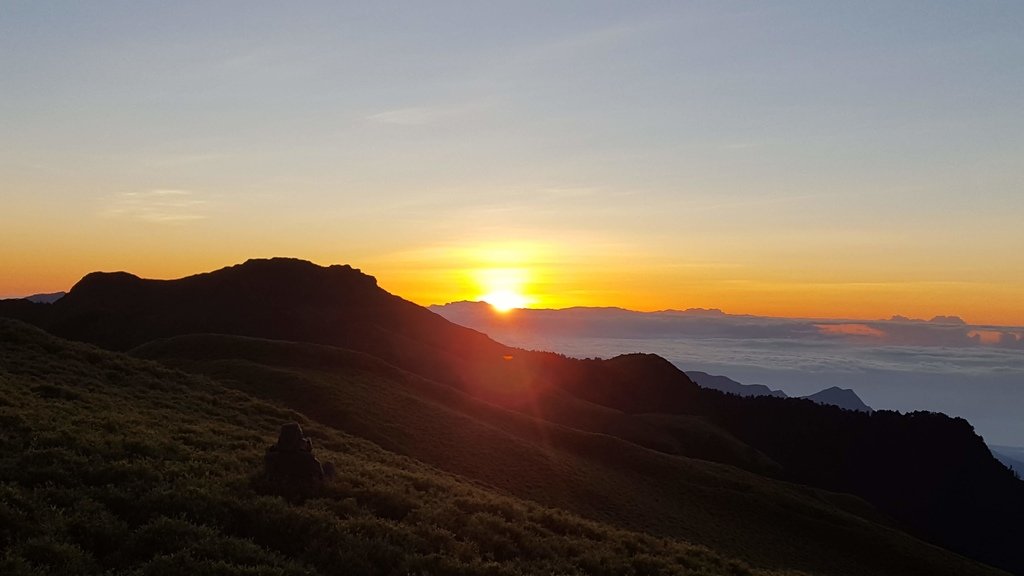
x=854 y=162
x=570 y=272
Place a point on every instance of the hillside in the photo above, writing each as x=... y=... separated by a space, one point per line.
x=118 y=465
x=114 y=465
x=611 y=480
x=617 y=419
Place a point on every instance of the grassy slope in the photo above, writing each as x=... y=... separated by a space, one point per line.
x=110 y=464
x=674 y=435
x=930 y=471
x=767 y=522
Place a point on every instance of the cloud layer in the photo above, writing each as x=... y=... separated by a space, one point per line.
x=163 y=206
x=943 y=365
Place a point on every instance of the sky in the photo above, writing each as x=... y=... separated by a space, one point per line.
x=798 y=159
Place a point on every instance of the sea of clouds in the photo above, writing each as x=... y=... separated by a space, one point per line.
x=943 y=365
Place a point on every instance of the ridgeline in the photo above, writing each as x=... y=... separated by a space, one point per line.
x=646 y=470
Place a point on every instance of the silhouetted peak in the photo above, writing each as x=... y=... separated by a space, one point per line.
x=99 y=286
x=642 y=357
x=94 y=280
x=649 y=366
x=841 y=397
x=289 y=280
x=280 y=298
x=297 y=268
x=258 y=281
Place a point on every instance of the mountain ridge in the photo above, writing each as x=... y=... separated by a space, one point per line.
x=842 y=397
x=111 y=464
x=833 y=395
x=338 y=306
x=726 y=384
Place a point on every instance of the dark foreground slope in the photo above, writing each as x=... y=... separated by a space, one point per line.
x=286 y=299
x=769 y=523
x=112 y=465
x=928 y=470
x=964 y=500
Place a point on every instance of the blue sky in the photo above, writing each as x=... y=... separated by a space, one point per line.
x=708 y=146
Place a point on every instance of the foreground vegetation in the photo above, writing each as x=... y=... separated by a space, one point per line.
x=764 y=521
x=574 y=434
x=114 y=465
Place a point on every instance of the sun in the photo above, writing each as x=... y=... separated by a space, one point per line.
x=505 y=300
x=504 y=275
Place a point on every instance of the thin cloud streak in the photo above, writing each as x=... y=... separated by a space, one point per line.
x=158 y=206
x=413 y=116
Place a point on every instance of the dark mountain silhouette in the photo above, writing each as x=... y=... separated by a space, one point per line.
x=834 y=396
x=110 y=463
x=929 y=472
x=26 y=310
x=730 y=386
x=289 y=299
x=841 y=397
x=280 y=298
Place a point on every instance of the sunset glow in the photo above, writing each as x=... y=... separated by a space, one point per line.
x=504 y=301
x=503 y=287
x=779 y=177
x=553 y=287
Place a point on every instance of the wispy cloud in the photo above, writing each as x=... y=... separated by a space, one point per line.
x=413 y=116
x=570 y=192
x=586 y=41
x=161 y=206
x=182 y=159
x=756 y=201
x=741 y=145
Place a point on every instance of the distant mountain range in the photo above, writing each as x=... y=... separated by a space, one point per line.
x=726 y=384
x=45 y=298
x=1011 y=456
x=630 y=441
x=610 y=322
x=835 y=396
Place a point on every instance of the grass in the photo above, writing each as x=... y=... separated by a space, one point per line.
x=111 y=465
x=765 y=522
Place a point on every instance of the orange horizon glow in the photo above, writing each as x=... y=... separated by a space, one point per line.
x=505 y=301
x=532 y=275
x=852 y=182
x=510 y=276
